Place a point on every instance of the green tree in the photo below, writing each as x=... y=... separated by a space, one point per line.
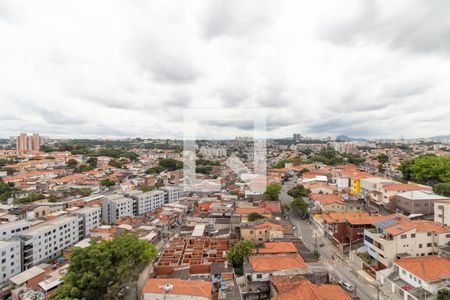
x=272 y=191
x=102 y=269
x=9 y=171
x=107 y=182
x=382 y=158
x=442 y=188
x=170 y=164
x=7 y=190
x=203 y=169
x=299 y=206
x=29 y=198
x=154 y=170
x=299 y=191
x=443 y=294
x=146 y=188
x=428 y=169
x=92 y=161
x=238 y=251
x=254 y=216
x=83 y=168
x=71 y=163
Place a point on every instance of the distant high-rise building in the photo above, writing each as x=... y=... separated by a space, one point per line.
x=26 y=142
x=296 y=136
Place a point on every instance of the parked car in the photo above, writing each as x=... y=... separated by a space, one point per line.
x=346 y=285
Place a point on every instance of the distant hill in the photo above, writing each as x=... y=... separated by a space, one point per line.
x=346 y=138
x=441 y=137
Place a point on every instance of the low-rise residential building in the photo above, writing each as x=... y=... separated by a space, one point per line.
x=176 y=289
x=261 y=231
x=48 y=240
x=442 y=213
x=417 y=277
x=115 y=207
x=297 y=287
x=333 y=203
x=347 y=228
x=398 y=237
x=244 y=212
x=258 y=270
x=417 y=202
x=390 y=190
x=10 y=260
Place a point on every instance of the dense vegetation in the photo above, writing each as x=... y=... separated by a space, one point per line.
x=429 y=169
x=114 y=149
x=6 y=190
x=272 y=192
x=107 y=183
x=254 y=216
x=281 y=163
x=167 y=164
x=101 y=270
x=331 y=157
x=299 y=191
x=238 y=251
x=299 y=206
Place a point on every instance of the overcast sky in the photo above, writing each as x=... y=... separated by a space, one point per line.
x=130 y=68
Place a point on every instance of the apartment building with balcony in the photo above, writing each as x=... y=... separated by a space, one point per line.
x=442 y=213
x=173 y=193
x=398 y=237
x=116 y=206
x=47 y=240
x=10 y=260
x=147 y=201
x=91 y=219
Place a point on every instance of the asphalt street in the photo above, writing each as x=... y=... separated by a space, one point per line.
x=313 y=238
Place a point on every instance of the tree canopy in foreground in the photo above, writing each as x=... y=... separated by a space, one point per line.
x=102 y=269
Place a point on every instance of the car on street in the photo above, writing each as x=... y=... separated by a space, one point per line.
x=346 y=285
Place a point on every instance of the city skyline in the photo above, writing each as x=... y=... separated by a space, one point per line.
x=359 y=68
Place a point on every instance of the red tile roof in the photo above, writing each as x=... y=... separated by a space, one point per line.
x=428 y=268
x=249 y=210
x=277 y=247
x=179 y=287
x=327 y=198
x=307 y=290
x=403 y=187
x=266 y=264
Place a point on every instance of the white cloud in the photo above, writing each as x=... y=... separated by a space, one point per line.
x=119 y=68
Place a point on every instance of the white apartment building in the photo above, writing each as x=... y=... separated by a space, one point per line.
x=442 y=213
x=91 y=219
x=10 y=260
x=147 y=201
x=115 y=207
x=398 y=237
x=372 y=188
x=9 y=230
x=48 y=240
x=173 y=193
